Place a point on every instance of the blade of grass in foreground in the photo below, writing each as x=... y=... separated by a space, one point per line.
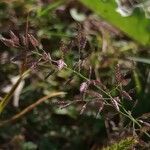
x=139 y=59
x=8 y=96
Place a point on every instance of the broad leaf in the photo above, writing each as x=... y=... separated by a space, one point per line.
x=135 y=26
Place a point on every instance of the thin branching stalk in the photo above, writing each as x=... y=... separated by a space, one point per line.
x=124 y=112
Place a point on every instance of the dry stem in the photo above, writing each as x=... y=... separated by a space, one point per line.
x=31 y=107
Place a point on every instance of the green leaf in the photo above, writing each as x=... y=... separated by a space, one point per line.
x=135 y=26
x=51 y=6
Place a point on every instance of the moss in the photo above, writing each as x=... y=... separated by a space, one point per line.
x=125 y=144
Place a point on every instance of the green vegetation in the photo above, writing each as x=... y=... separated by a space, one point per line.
x=124 y=144
x=74 y=75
